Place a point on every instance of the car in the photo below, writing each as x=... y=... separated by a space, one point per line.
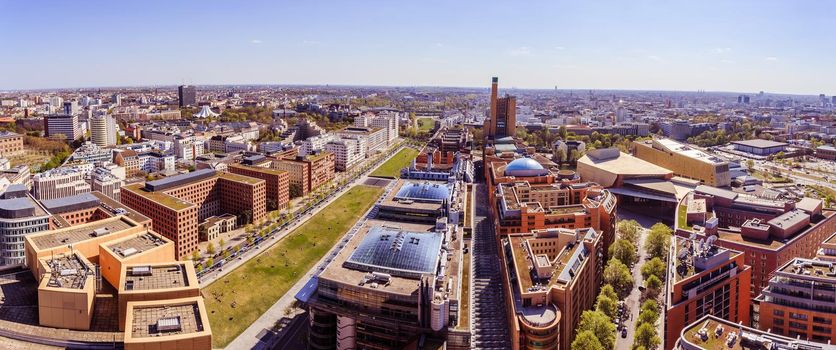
x=624 y=332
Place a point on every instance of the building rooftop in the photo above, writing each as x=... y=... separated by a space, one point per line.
x=153 y=277
x=136 y=244
x=166 y=320
x=68 y=271
x=397 y=252
x=714 y=333
x=71 y=203
x=169 y=201
x=424 y=191
x=615 y=161
x=179 y=180
x=686 y=150
x=801 y=267
x=240 y=178
x=759 y=143
x=525 y=167
x=75 y=234
x=692 y=255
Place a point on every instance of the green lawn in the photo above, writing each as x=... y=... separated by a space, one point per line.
x=393 y=166
x=259 y=283
x=425 y=124
x=682 y=217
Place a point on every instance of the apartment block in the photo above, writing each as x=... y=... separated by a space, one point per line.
x=58 y=183
x=11 y=144
x=277 y=181
x=800 y=301
x=704 y=279
x=309 y=172
x=177 y=204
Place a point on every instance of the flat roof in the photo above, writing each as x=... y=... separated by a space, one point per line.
x=148 y=321
x=760 y=143
x=68 y=271
x=807 y=268
x=117 y=208
x=397 y=252
x=75 y=234
x=136 y=244
x=753 y=338
x=152 y=277
x=179 y=180
x=614 y=161
x=258 y=169
x=169 y=201
x=240 y=178
x=687 y=151
x=790 y=219
x=71 y=203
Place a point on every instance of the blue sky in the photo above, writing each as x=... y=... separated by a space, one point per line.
x=747 y=46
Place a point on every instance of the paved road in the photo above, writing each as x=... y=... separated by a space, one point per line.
x=489 y=321
x=633 y=301
x=253 y=336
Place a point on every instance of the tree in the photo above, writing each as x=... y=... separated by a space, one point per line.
x=624 y=251
x=646 y=336
x=650 y=304
x=195 y=255
x=221 y=243
x=654 y=267
x=295 y=190
x=618 y=275
x=587 y=341
x=210 y=248
x=210 y=261
x=653 y=286
x=607 y=306
x=629 y=230
x=598 y=324
x=609 y=292
x=658 y=241
x=750 y=164
x=648 y=316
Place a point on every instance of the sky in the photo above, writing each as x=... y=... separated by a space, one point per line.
x=740 y=46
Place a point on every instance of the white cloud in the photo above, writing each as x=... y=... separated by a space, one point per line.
x=655 y=58
x=255 y=41
x=771 y=58
x=720 y=50
x=520 y=51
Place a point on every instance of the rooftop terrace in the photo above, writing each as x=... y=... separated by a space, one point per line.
x=82 y=233
x=137 y=244
x=68 y=271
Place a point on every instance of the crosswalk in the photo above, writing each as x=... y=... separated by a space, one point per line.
x=489 y=319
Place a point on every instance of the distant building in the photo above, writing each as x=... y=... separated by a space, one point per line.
x=759 y=147
x=11 y=144
x=58 y=183
x=374 y=138
x=502 y=121
x=187 y=95
x=826 y=152
x=103 y=130
x=347 y=152
x=65 y=125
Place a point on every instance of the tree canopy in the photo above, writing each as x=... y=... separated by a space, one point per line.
x=600 y=325
x=624 y=251
x=587 y=341
x=618 y=275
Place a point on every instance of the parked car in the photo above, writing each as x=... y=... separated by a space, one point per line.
x=624 y=332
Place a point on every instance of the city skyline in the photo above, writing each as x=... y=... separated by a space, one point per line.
x=732 y=47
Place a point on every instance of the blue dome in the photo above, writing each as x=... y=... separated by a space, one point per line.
x=525 y=167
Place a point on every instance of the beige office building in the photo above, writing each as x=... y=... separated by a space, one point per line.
x=684 y=160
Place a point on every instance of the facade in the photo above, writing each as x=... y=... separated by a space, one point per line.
x=102 y=130
x=307 y=173
x=187 y=95
x=374 y=138
x=704 y=279
x=347 y=152
x=685 y=161
x=277 y=181
x=527 y=196
x=58 y=183
x=88 y=207
x=551 y=276
x=502 y=121
x=799 y=301
x=715 y=333
x=11 y=144
x=826 y=152
x=62 y=125
x=387 y=121
x=759 y=147
x=188 y=148
x=768 y=233
x=177 y=204
x=106 y=183
x=20 y=215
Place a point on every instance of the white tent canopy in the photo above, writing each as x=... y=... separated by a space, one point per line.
x=205 y=112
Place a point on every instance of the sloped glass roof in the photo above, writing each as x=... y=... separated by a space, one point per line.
x=424 y=191
x=396 y=252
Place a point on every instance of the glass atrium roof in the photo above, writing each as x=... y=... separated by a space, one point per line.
x=398 y=253
x=426 y=191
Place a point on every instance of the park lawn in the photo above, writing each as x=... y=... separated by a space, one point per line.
x=425 y=124
x=255 y=286
x=392 y=167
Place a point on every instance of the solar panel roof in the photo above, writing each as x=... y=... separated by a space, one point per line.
x=396 y=252
x=424 y=191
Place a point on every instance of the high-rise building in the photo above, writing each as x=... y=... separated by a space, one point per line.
x=66 y=125
x=102 y=130
x=187 y=95
x=704 y=279
x=799 y=301
x=502 y=121
x=116 y=99
x=347 y=152
x=20 y=215
x=71 y=107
